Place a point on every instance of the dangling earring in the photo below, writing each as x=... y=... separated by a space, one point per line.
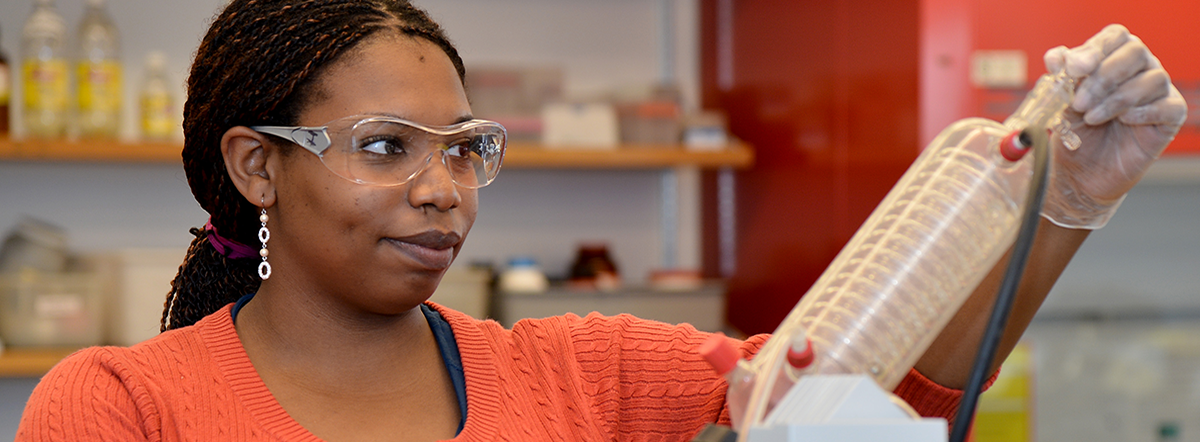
x=264 y=235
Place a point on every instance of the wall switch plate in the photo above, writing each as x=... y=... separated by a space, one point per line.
x=999 y=69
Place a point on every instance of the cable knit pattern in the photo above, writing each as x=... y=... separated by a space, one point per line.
x=563 y=378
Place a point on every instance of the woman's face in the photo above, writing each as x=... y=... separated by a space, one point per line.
x=378 y=249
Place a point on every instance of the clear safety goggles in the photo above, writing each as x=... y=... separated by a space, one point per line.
x=386 y=151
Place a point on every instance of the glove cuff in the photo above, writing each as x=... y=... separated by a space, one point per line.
x=1072 y=210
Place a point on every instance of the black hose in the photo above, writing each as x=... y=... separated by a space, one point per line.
x=1038 y=139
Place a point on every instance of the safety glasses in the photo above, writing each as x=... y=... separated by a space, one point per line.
x=385 y=151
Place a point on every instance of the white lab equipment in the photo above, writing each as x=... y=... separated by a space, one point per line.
x=906 y=271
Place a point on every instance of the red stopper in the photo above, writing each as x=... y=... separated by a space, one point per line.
x=1012 y=148
x=719 y=353
x=800 y=353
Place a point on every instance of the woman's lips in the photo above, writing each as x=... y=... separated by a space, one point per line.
x=432 y=249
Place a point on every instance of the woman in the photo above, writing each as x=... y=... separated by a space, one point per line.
x=336 y=137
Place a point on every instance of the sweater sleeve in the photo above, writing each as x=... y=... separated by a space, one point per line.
x=83 y=398
x=931 y=399
x=647 y=379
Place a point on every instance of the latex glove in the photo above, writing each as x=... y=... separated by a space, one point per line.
x=1125 y=113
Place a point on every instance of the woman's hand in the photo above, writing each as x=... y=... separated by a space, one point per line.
x=1125 y=113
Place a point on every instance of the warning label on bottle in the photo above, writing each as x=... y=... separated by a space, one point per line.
x=99 y=86
x=45 y=85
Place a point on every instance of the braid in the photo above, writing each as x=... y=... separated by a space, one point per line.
x=258 y=65
x=207 y=271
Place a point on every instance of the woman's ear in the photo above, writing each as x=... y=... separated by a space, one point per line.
x=246 y=154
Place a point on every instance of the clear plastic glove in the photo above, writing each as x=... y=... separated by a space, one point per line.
x=1125 y=113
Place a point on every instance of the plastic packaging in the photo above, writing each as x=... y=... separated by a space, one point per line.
x=99 y=73
x=34 y=245
x=917 y=258
x=44 y=73
x=157 y=121
x=51 y=309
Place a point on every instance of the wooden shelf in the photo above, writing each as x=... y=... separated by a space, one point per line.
x=89 y=151
x=30 y=362
x=646 y=156
x=519 y=156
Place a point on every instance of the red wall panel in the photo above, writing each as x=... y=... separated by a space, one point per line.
x=826 y=91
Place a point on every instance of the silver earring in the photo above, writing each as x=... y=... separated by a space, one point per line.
x=264 y=235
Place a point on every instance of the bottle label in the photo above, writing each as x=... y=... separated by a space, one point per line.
x=156 y=116
x=99 y=86
x=45 y=85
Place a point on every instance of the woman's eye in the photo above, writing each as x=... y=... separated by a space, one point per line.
x=461 y=148
x=383 y=147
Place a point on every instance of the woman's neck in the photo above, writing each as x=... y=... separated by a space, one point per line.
x=322 y=342
x=347 y=375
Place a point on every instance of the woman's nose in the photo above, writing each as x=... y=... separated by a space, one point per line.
x=435 y=185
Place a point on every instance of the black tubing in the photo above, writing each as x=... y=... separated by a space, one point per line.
x=1038 y=138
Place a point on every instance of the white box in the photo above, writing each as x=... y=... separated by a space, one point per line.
x=590 y=125
x=141 y=280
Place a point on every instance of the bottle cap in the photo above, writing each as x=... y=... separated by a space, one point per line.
x=522 y=261
x=156 y=60
x=719 y=353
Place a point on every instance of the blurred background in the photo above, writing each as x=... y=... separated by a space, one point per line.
x=692 y=161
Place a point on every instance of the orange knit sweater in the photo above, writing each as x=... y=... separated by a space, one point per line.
x=556 y=379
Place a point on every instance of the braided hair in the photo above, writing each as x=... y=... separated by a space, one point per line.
x=258 y=65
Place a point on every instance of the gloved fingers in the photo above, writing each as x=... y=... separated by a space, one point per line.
x=1143 y=88
x=1055 y=58
x=1084 y=59
x=1170 y=110
x=1122 y=64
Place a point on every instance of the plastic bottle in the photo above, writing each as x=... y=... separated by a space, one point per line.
x=157 y=121
x=98 y=71
x=44 y=73
x=920 y=254
x=523 y=276
x=5 y=94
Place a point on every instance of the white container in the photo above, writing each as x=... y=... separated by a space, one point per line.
x=580 y=125
x=141 y=279
x=523 y=276
x=51 y=309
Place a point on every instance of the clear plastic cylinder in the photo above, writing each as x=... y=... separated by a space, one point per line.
x=918 y=257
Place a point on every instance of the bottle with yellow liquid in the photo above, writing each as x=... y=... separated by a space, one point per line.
x=99 y=74
x=44 y=74
x=157 y=107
